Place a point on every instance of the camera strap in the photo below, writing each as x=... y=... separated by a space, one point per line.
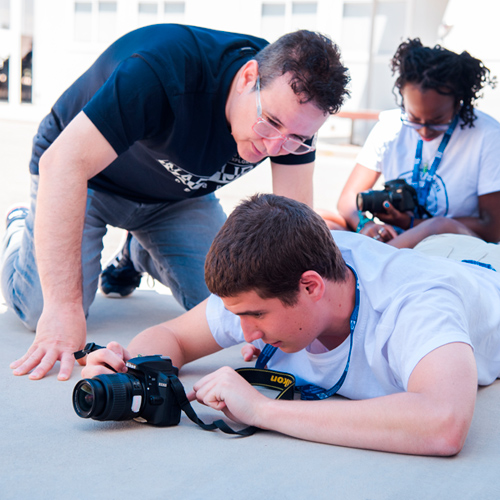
x=279 y=381
x=282 y=382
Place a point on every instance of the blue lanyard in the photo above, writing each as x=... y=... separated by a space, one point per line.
x=314 y=392
x=423 y=192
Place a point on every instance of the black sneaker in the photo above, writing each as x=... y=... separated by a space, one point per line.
x=20 y=212
x=120 y=278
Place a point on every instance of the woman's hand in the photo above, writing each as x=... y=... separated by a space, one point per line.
x=380 y=232
x=394 y=217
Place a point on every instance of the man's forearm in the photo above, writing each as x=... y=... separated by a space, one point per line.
x=157 y=339
x=58 y=237
x=432 y=418
x=183 y=339
x=401 y=423
x=79 y=153
x=294 y=181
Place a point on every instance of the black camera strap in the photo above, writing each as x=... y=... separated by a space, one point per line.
x=279 y=381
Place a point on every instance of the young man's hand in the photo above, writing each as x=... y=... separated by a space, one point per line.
x=249 y=352
x=226 y=391
x=109 y=360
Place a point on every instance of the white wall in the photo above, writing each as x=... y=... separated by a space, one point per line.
x=473 y=26
x=61 y=54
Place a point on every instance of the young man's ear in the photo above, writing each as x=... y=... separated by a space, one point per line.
x=247 y=76
x=312 y=284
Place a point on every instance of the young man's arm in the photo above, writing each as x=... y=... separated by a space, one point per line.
x=294 y=181
x=432 y=418
x=183 y=339
x=79 y=153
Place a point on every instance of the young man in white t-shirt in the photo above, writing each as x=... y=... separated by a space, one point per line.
x=406 y=337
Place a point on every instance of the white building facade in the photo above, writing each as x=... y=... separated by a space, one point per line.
x=66 y=36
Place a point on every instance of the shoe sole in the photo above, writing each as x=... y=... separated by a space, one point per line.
x=114 y=295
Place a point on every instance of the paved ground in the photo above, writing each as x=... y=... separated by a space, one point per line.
x=50 y=453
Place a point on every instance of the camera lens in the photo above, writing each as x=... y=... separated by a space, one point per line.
x=85 y=397
x=89 y=398
x=108 y=397
x=371 y=201
x=359 y=201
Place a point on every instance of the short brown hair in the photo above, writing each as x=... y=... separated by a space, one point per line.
x=266 y=244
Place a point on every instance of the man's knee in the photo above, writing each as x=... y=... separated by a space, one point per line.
x=28 y=311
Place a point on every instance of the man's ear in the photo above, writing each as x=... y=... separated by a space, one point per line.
x=312 y=284
x=247 y=76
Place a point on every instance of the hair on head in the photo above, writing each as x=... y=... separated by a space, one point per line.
x=266 y=244
x=459 y=75
x=313 y=62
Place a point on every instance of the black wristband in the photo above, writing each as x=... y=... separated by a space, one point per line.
x=90 y=347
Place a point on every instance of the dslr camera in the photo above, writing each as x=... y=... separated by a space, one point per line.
x=145 y=392
x=398 y=192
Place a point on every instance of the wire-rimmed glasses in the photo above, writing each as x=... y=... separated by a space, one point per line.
x=263 y=128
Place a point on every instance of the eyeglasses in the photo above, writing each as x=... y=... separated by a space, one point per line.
x=263 y=128
x=438 y=127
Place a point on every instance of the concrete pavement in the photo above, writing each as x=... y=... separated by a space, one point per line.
x=50 y=453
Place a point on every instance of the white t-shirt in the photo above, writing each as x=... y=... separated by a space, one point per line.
x=470 y=166
x=410 y=304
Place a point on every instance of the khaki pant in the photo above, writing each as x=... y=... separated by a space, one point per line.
x=461 y=247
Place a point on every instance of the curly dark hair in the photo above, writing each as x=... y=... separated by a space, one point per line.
x=313 y=61
x=459 y=75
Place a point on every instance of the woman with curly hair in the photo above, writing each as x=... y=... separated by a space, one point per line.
x=447 y=151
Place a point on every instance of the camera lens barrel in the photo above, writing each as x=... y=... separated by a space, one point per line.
x=372 y=201
x=109 y=397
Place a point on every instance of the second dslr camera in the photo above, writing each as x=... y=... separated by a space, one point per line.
x=398 y=192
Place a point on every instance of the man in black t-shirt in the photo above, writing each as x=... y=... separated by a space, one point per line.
x=163 y=118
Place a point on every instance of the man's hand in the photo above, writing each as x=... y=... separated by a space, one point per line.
x=109 y=360
x=226 y=391
x=249 y=352
x=58 y=336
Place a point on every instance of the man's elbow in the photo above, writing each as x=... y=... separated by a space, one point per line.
x=450 y=434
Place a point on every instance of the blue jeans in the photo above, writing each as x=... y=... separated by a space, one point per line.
x=170 y=242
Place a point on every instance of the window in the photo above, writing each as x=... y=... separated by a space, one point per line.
x=4 y=14
x=304 y=15
x=273 y=21
x=174 y=12
x=107 y=21
x=83 y=21
x=148 y=13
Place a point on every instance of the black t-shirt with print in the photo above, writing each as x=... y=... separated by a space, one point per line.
x=158 y=96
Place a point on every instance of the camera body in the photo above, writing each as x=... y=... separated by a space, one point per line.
x=398 y=192
x=145 y=392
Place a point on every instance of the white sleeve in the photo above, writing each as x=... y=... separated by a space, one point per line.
x=377 y=144
x=224 y=325
x=489 y=173
x=422 y=323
